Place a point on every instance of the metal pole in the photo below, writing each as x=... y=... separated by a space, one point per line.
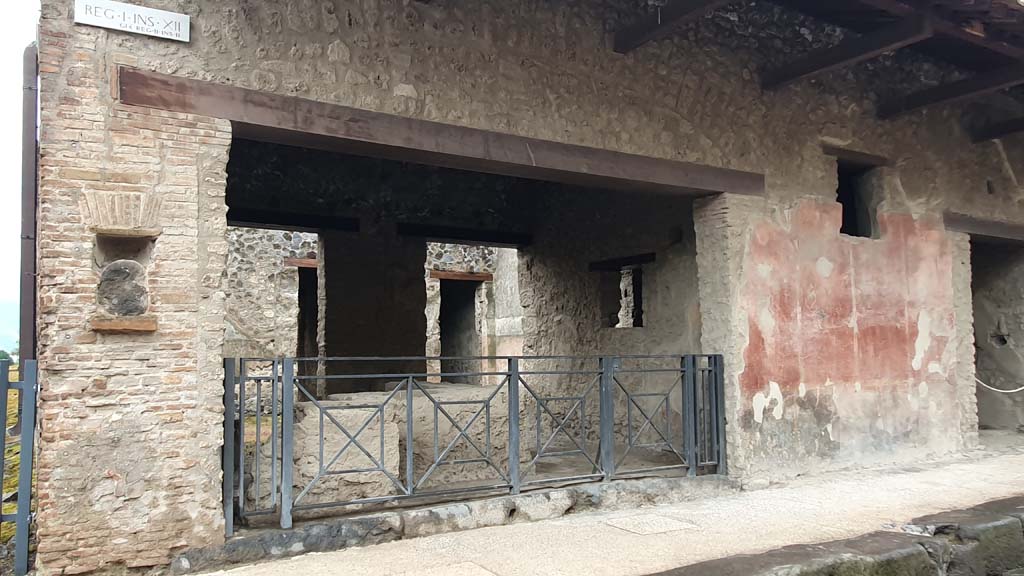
x=5 y=374
x=720 y=423
x=410 y=472
x=513 y=425
x=607 y=416
x=689 y=368
x=28 y=436
x=29 y=187
x=243 y=375
x=228 y=452
x=287 y=438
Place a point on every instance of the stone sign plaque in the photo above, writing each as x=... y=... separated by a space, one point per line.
x=134 y=19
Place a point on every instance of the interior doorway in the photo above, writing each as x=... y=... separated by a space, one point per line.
x=462 y=321
x=997 y=284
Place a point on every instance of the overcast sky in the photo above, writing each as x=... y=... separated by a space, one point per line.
x=20 y=30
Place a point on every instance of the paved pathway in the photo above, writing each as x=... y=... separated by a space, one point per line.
x=649 y=540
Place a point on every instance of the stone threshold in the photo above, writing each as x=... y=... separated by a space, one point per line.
x=980 y=541
x=324 y=535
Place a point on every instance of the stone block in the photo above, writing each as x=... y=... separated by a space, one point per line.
x=983 y=542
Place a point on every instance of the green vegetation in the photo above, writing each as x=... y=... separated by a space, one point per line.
x=12 y=457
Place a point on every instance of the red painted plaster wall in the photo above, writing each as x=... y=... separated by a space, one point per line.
x=850 y=351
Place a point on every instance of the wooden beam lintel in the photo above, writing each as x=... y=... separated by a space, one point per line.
x=984 y=229
x=615 y=264
x=999 y=130
x=464 y=276
x=301 y=122
x=301 y=262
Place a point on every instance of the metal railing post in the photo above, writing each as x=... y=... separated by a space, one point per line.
x=228 y=451
x=5 y=385
x=607 y=417
x=29 y=382
x=243 y=375
x=720 y=420
x=513 y=425
x=689 y=367
x=287 y=439
x=410 y=452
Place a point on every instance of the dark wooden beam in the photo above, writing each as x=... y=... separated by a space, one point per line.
x=297 y=121
x=622 y=263
x=950 y=29
x=966 y=89
x=985 y=230
x=663 y=20
x=291 y=221
x=851 y=51
x=856 y=157
x=301 y=262
x=999 y=130
x=464 y=276
x=470 y=236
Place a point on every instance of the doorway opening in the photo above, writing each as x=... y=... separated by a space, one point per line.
x=997 y=283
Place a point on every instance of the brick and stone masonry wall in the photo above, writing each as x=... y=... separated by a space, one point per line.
x=130 y=424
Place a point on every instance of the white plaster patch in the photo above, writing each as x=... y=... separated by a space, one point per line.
x=775 y=393
x=762 y=400
x=922 y=389
x=856 y=386
x=924 y=338
x=828 y=428
x=935 y=368
x=766 y=321
x=802 y=390
x=824 y=267
x=764 y=270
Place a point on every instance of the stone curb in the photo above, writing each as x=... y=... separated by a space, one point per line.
x=987 y=540
x=257 y=545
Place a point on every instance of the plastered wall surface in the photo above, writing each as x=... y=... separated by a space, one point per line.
x=526 y=67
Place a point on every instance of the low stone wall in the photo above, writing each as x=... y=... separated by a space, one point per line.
x=391 y=525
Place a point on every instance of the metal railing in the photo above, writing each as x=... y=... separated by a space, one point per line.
x=27 y=391
x=308 y=434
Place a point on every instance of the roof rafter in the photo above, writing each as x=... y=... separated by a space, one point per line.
x=911 y=30
x=973 y=87
x=662 y=21
x=950 y=29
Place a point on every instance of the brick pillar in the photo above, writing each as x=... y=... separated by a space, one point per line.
x=963 y=305
x=723 y=225
x=128 y=466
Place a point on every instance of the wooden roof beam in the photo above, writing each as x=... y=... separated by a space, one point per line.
x=999 y=130
x=662 y=21
x=966 y=89
x=950 y=29
x=851 y=51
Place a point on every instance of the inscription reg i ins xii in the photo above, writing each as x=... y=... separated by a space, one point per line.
x=133 y=19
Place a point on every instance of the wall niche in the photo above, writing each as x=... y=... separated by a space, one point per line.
x=126 y=228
